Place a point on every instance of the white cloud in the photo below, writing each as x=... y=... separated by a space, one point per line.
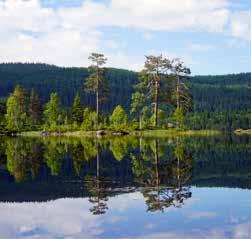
x=240 y=25
x=200 y=47
x=149 y=14
x=61 y=47
x=66 y=35
x=124 y=61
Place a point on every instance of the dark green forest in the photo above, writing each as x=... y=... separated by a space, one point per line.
x=219 y=102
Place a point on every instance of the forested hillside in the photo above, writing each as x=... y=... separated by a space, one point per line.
x=228 y=94
x=66 y=82
x=222 y=93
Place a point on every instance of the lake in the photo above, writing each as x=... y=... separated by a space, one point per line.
x=125 y=188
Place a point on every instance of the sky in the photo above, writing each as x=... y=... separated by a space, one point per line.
x=68 y=218
x=209 y=36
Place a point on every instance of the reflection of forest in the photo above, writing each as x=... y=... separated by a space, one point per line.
x=163 y=168
x=163 y=176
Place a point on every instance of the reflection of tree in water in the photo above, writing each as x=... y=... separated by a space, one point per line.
x=121 y=146
x=163 y=179
x=24 y=157
x=97 y=187
x=55 y=151
x=82 y=151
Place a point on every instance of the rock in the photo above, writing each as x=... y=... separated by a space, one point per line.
x=120 y=133
x=170 y=125
x=44 y=133
x=100 y=133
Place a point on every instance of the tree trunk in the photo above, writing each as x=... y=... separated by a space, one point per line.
x=178 y=92
x=97 y=109
x=140 y=122
x=156 y=104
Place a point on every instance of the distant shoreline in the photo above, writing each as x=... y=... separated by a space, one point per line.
x=143 y=133
x=140 y=133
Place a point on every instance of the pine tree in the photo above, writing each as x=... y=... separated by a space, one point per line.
x=35 y=109
x=154 y=78
x=181 y=91
x=139 y=101
x=96 y=82
x=77 y=110
x=21 y=95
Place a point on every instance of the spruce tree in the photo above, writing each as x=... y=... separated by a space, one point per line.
x=77 y=110
x=52 y=110
x=35 y=109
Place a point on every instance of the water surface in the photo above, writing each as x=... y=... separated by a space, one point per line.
x=124 y=187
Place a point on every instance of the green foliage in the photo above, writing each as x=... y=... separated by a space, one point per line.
x=77 y=110
x=35 y=108
x=118 y=119
x=153 y=81
x=16 y=116
x=96 y=82
x=179 y=117
x=52 y=112
x=119 y=148
x=89 y=120
x=138 y=105
x=180 y=93
x=219 y=102
x=54 y=153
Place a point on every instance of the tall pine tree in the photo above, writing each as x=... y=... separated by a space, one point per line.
x=154 y=78
x=96 y=82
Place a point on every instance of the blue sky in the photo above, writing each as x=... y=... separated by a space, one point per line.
x=210 y=36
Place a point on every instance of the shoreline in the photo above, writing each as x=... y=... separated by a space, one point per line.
x=137 y=133
x=243 y=132
x=143 y=133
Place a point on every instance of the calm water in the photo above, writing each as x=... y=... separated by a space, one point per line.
x=124 y=188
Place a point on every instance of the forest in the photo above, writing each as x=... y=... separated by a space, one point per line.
x=65 y=98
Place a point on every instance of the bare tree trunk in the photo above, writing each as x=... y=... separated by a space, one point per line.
x=156 y=104
x=178 y=92
x=97 y=108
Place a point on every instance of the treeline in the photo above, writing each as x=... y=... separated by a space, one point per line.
x=219 y=102
x=210 y=93
x=161 y=96
x=25 y=112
